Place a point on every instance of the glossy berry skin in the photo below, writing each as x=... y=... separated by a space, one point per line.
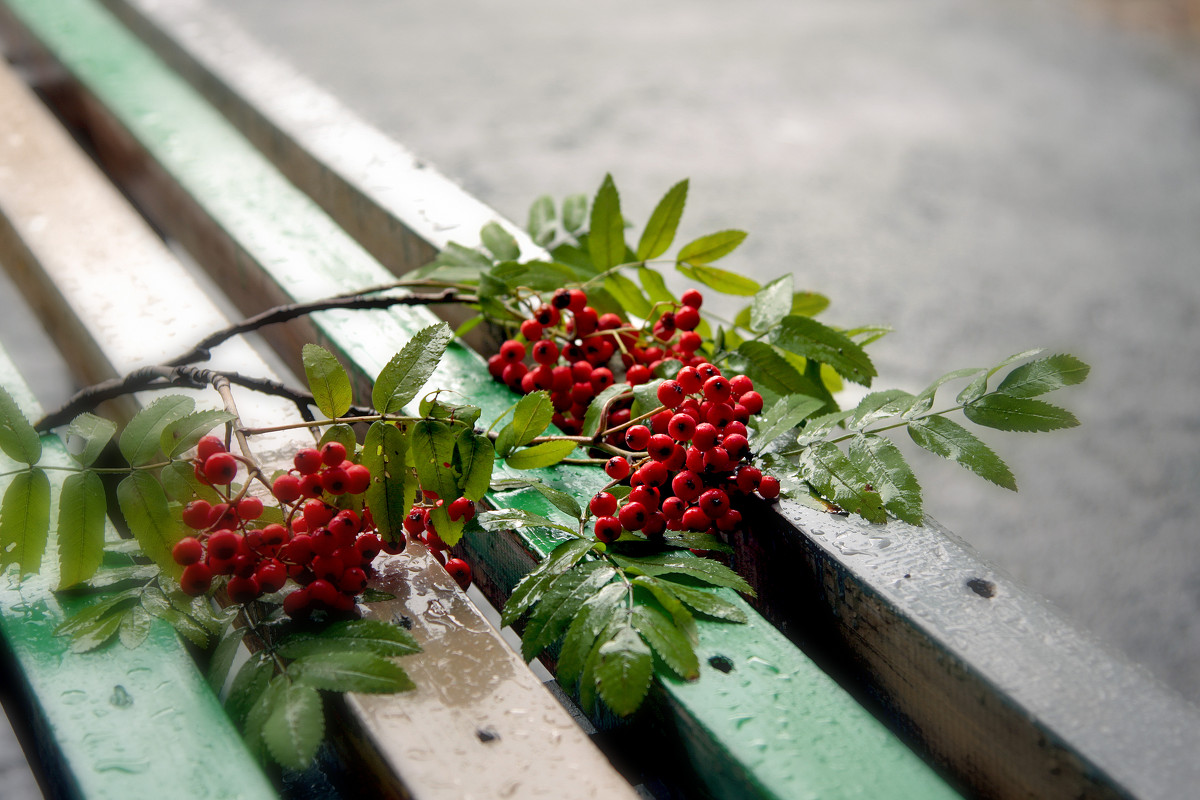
x=333 y=454
x=249 y=508
x=687 y=318
x=187 y=550
x=196 y=579
x=307 y=461
x=714 y=503
x=220 y=469
x=768 y=487
x=603 y=504
x=637 y=437
x=459 y=570
x=692 y=298
x=358 y=479
x=607 y=529
x=196 y=514
x=617 y=468
x=461 y=508
x=223 y=545
x=632 y=516
x=287 y=488
x=243 y=590
x=670 y=394
x=209 y=446
x=531 y=330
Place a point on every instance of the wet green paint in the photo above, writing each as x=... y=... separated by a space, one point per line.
x=128 y=724
x=772 y=726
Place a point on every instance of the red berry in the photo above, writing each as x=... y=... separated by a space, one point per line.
x=209 y=446
x=607 y=529
x=461 y=572
x=681 y=427
x=617 y=468
x=223 y=545
x=748 y=478
x=740 y=384
x=187 y=550
x=653 y=473
x=690 y=380
x=632 y=516
x=561 y=299
x=717 y=389
x=601 y=378
x=353 y=581
x=196 y=579
x=334 y=480
x=249 y=508
x=731 y=521
x=687 y=318
x=578 y=301
x=307 y=461
x=687 y=485
x=460 y=508
x=196 y=514
x=368 y=546
x=660 y=447
x=512 y=351
x=496 y=365
x=545 y=352
x=603 y=504
x=673 y=507
x=637 y=437
x=220 y=469
x=694 y=519
x=670 y=394
x=714 y=503
x=513 y=373
x=317 y=514
x=638 y=374
x=689 y=342
x=736 y=445
x=646 y=495
x=333 y=453
x=243 y=590
x=531 y=330
x=752 y=401
x=358 y=479
x=546 y=315
x=768 y=487
x=297 y=604
x=287 y=488
x=322 y=591
x=692 y=298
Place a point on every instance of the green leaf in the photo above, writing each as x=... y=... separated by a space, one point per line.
x=1014 y=359
x=534 y=584
x=806 y=337
x=711 y=572
x=181 y=484
x=809 y=304
x=135 y=627
x=885 y=467
x=562 y=599
x=588 y=684
x=836 y=478
x=709 y=248
x=183 y=433
x=97 y=632
x=671 y=644
x=187 y=627
x=248 y=685
x=327 y=380
x=574 y=212
x=531 y=417
x=1007 y=413
x=139 y=441
x=623 y=671
x=400 y=381
x=261 y=707
x=18 y=439
x=766 y=366
x=433 y=456
x=499 y=242
x=223 y=657
x=542 y=276
x=948 y=439
x=606 y=235
x=655 y=287
x=507 y=518
x=693 y=540
x=468 y=326
x=706 y=602
x=924 y=401
x=973 y=390
x=351 y=672
x=95 y=611
x=1044 y=375
x=545 y=454
x=818 y=428
x=295 y=727
x=660 y=229
x=628 y=294
x=880 y=405
x=588 y=623
x=25 y=520
x=661 y=591
x=560 y=499
x=87 y=437
x=81 y=517
x=455 y=262
x=541 y=221
x=785 y=414
x=144 y=506
x=720 y=279
x=598 y=408
x=449 y=530
x=771 y=304
x=474 y=458
x=391 y=493
x=357 y=635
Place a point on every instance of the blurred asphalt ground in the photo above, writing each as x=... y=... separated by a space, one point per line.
x=984 y=175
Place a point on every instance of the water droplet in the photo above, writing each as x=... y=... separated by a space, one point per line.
x=120 y=698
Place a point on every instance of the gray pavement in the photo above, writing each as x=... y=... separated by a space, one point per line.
x=985 y=176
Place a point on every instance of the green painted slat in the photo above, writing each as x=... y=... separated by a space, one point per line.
x=776 y=726
x=128 y=724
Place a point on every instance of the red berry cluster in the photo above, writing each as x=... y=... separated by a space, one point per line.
x=697 y=460
x=326 y=549
x=571 y=347
x=419 y=525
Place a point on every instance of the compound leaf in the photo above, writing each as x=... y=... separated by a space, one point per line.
x=183 y=433
x=531 y=417
x=815 y=341
x=545 y=454
x=836 y=478
x=350 y=671
x=144 y=506
x=18 y=439
x=499 y=242
x=671 y=644
x=709 y=248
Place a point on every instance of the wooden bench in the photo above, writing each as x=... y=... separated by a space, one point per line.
x=279 y=194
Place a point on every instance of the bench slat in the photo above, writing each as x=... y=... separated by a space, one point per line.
x=775 y=726
x=467 y=678
x=1002 y=690
x=116 y=723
